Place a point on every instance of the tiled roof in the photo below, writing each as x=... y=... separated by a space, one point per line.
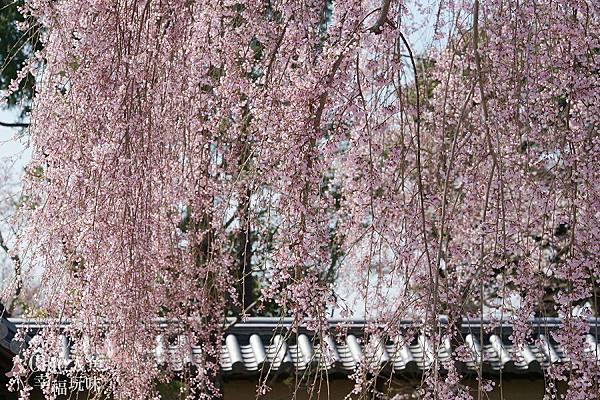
x=260 y=345
x=7 y=333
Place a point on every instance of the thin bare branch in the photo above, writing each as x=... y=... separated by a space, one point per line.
x=14 y=124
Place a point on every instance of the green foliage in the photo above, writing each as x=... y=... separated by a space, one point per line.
x=171 y=390
x=427 y=85
x=15 y=47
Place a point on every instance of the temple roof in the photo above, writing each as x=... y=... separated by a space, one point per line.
x=270 y=345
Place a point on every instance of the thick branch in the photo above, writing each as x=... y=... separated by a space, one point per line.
x=383 y=17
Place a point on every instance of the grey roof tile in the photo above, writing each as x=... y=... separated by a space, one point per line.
x=262 y=344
